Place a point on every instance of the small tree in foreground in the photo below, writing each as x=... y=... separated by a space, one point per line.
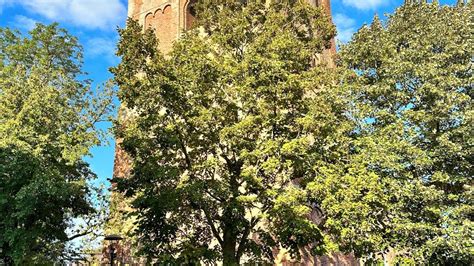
x=226 y=131
x=47 y=125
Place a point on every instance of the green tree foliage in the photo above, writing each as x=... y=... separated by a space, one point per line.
x=412 y=166
x=47 y=125
x=226 y=131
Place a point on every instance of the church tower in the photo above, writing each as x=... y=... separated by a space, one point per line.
x=171 y=17
x=168 y=17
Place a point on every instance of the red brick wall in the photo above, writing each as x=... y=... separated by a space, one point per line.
x=163 y=22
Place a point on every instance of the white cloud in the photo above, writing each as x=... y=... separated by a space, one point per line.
x=102 y=47
x=25 y=23
x=346 y=27
x=92 y=14
x=365 y=4
x=4 y=3
x=343 y=20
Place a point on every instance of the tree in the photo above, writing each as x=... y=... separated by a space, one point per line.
x=412 y=85
x=47 y=125
x=224 y=132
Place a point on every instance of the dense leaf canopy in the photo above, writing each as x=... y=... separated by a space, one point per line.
x=241 y=143
x=413 y=98
x=47 y=118
x=221 y=129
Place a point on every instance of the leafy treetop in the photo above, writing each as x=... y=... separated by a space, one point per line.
x=47 y=125
x=225 y=131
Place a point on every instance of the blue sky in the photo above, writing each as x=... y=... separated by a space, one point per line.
x=95 y=22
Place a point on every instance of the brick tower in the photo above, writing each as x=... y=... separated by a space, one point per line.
x=169 y=18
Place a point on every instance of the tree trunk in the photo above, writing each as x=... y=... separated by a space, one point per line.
x=230 y=258
x=229 y=249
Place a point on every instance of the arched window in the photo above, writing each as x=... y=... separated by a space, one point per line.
x=149 y=21
x=190 y=13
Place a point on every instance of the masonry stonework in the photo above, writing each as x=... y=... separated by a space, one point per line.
x=170 y=17
x=167 y=17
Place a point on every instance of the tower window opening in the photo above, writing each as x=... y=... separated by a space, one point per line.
x=190 y=13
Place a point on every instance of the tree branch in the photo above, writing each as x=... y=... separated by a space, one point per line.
x=90 y=231
x=245 y=235
x=213 y=227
